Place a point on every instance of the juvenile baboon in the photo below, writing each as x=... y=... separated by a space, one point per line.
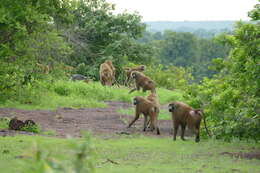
x=107 y=73
x=147 y=108
x=15 y=124
x=142 y=81
x=154 y=99
x=183 y=115
x=29 y=123
x=129 y=70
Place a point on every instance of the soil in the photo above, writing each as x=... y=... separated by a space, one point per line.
x=248 y=155
x=70 y=122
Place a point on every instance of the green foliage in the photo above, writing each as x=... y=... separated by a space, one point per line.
x=81 y=158
x=31 y=128
x=170 y=77
x=4 y=123
x=231 y=99
x=255 y=13
x=187 y=50
x=97 y=34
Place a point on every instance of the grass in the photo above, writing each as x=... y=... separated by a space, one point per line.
x=35 y=128
x=129 y=154
x=78 y=94
x=4 y=123
x=117 y=153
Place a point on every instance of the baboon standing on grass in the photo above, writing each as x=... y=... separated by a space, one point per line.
x=183 y=115
x=129 y=71
x=142 y=81
x=107 y=73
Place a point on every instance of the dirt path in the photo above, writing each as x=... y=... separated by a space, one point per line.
x=68 y=121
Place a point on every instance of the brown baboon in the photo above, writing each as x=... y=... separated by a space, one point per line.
x=43 y=68
x=107 y=73
x=29 y=123
x=147 y=108
x=154 y=99
x=142 y=81
x=183 y=115
x=15 y=124
x=129 y=70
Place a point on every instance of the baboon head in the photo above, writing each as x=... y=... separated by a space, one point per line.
x=136 y=100
x=172 y=107
x=135 y=74
x=142 y=67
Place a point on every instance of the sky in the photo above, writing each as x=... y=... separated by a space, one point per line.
x=187 y=10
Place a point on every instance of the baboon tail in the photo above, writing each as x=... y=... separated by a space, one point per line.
x=207 y=130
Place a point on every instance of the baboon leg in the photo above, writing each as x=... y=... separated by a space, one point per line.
x=158 y=130
x=153 y=121
x=136 y=118
x=197 y=133
x=145 y=122
x=127 y=81
x=176 y=126
x=183 y=126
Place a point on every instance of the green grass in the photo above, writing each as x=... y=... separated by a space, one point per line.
x=4 y=123
x=77 y=95
x=132 y=153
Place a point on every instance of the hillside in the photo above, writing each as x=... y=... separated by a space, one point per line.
x=189 y=26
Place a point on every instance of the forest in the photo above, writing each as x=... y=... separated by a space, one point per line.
x=44 y=42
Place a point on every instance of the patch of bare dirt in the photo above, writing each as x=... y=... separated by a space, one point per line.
x=69 y=122
x=248 y=155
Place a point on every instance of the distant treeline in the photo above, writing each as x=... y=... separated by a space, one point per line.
x=202 y=29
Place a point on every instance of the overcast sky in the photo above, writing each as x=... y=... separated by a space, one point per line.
x=191 y=10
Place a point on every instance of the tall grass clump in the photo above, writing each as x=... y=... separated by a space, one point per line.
x=66 y=93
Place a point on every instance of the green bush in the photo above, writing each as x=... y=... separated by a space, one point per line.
x=231 y=99
x=170 y=77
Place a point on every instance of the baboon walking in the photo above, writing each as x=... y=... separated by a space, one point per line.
x=147 y=108
x=183 y=115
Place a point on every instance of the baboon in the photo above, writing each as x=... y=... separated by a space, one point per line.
x=29 y=123
x=147 y=108
x=142 y=81
x=43 y=68
x=15 y=124
x=154 y=99
x=129 y=70
x=109 y=62
x=107 y=73
x=183 y=115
